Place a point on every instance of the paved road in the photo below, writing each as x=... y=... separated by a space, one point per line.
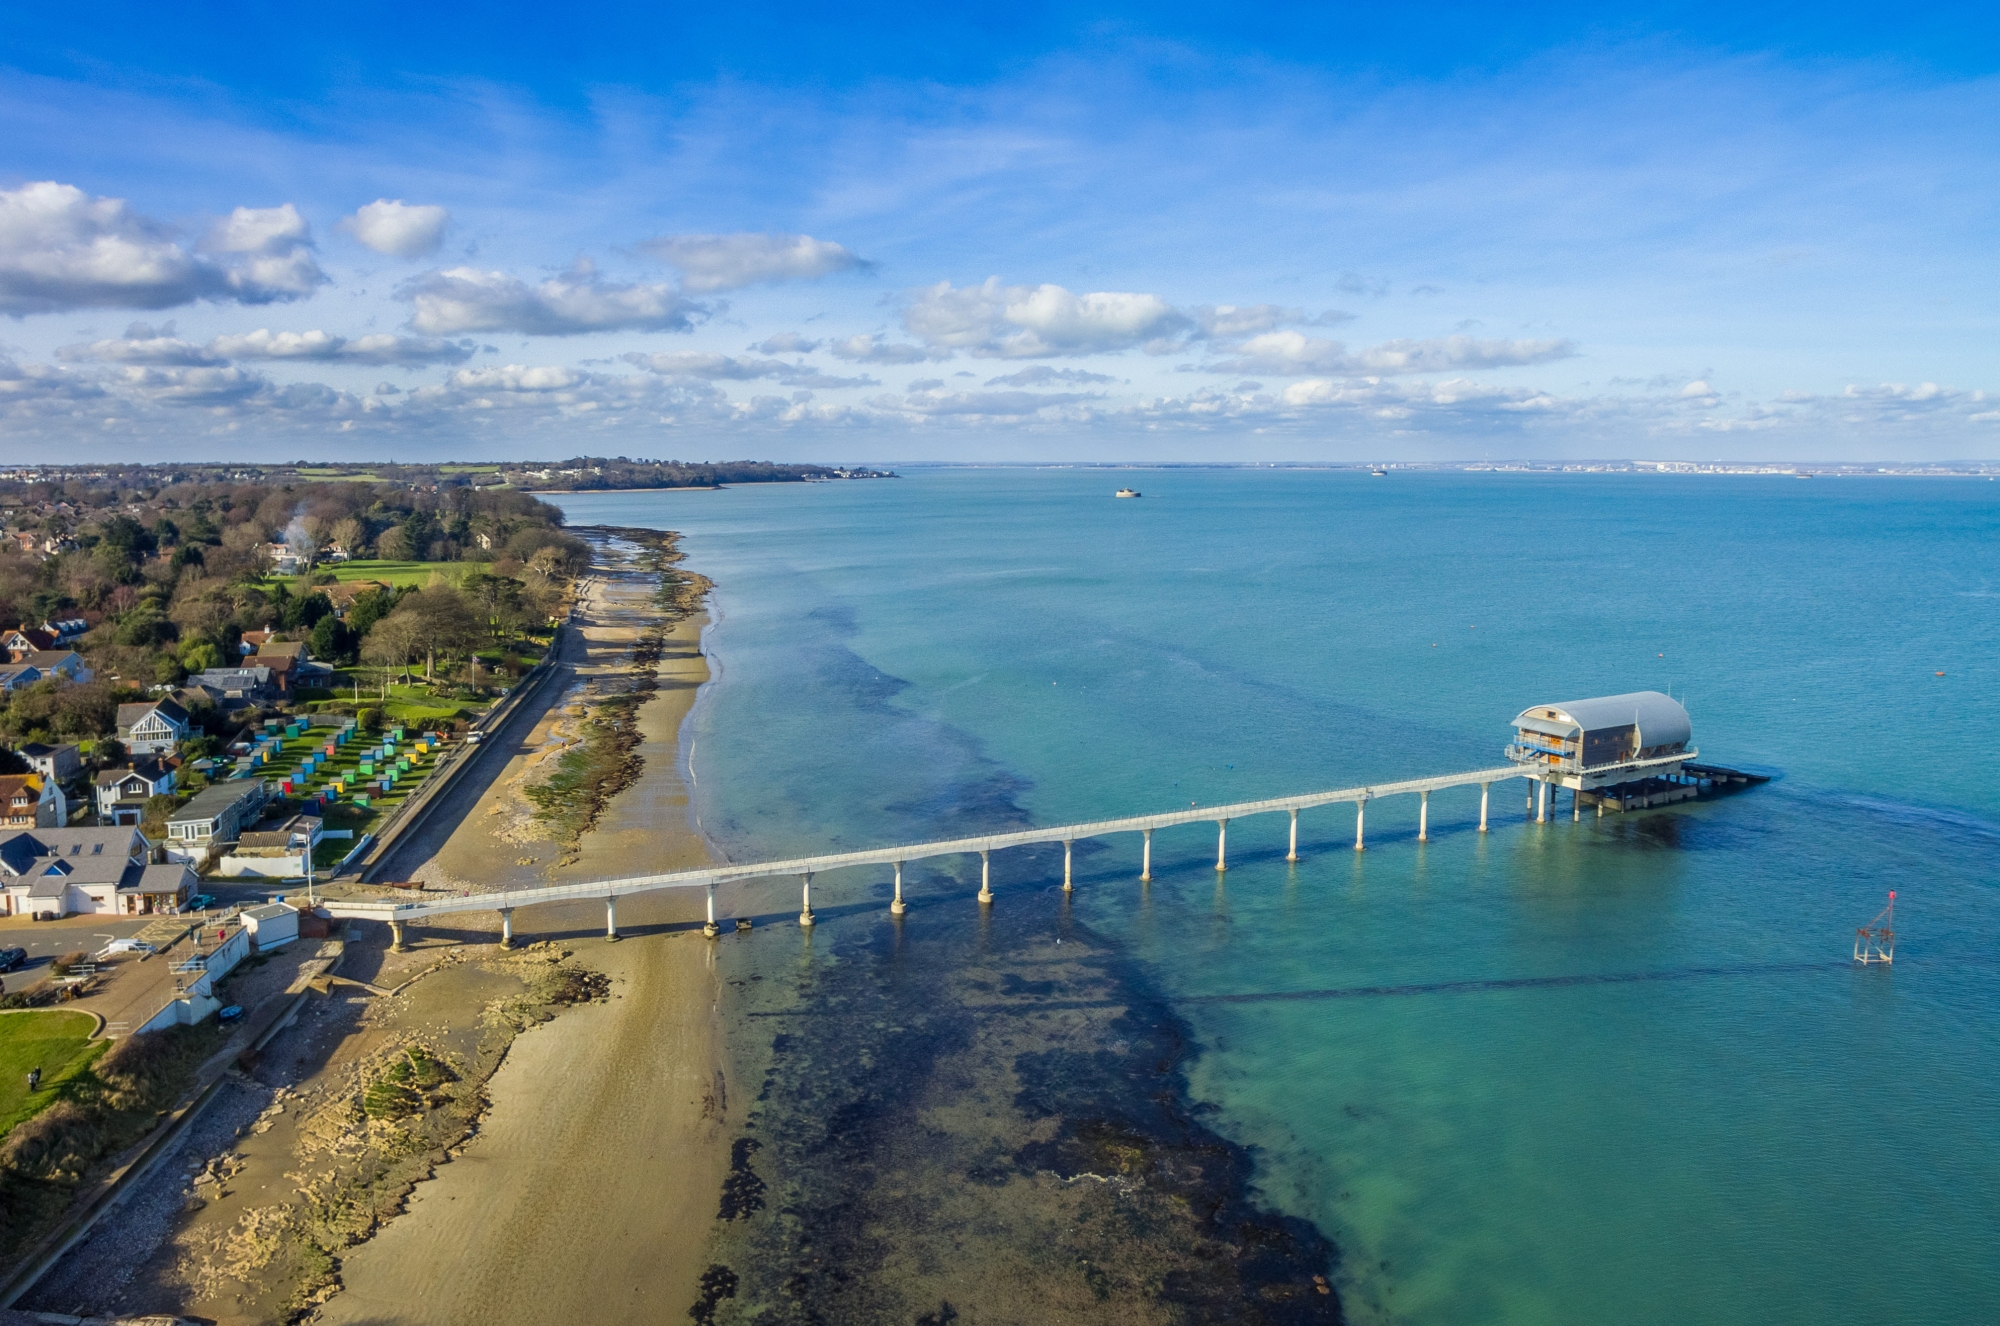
x=48 y=940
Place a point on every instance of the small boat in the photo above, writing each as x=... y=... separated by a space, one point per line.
x=1378 y=474
x=1129 y=492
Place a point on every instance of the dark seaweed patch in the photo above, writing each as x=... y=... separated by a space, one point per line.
x=717 y=1283
x=742 y=1191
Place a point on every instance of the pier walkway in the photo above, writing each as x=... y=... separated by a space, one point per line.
x=397 y=912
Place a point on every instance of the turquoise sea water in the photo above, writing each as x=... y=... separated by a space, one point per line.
x=1477 y=1100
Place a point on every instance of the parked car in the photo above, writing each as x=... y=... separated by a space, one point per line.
x=200 y=902
x=230 y=1014
x=10 y=958
x=126 y=946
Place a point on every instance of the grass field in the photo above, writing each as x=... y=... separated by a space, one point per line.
x=57 y=1043
x=395 y=573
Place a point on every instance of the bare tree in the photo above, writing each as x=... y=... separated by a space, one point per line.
x=391 y=642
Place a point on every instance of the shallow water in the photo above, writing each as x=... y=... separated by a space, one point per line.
x=1608 y=1070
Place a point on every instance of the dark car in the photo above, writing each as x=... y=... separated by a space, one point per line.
x=10 y=958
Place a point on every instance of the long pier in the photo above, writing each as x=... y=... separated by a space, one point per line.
x=397 y=912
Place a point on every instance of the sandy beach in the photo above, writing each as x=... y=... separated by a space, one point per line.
x=593 y=1172
x=594 y=1178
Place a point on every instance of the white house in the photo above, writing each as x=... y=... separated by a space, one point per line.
x=154 y=728
x=60 y=763
x=84 y=871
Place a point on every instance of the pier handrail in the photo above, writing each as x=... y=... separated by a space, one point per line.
x=389 y=910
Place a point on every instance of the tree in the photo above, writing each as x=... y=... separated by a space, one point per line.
x=330 y=642
x=445 y=624
x=391 y=642
x=393 y=545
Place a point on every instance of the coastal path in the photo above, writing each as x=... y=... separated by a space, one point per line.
x=397 y=912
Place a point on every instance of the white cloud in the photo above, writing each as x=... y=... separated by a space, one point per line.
x=142 y=344
x=62 y=249
x=869 y=348
x=1037 y=374
x=374 y=348
x=1037 y=322
x=720 y=367
x=1697 y=390
x=785 y=343
x=985 y=404
x=397 y=228
x=1290 y=352
x=146 y=345
x=1247 y=319
x=729 y=262
x=465 y=299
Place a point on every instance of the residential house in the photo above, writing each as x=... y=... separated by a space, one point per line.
x=60 y=763
x=63 y=664
x=276 y=849
x=65 y=630
x=25 y=540
x=122 y=793
x=106 y=870
x=292 y=666
x=22 y=641
x=218 y=814
x=251 y=685
x=252 y=641
x=13 y=676
x=342 y=596
x=153 y=728
x=30 y=800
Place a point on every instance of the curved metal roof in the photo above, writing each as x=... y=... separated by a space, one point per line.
x=1661 y=720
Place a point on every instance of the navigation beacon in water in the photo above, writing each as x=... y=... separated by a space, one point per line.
x=1616 y=752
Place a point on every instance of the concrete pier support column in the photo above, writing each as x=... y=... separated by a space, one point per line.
x=1576 y=806
x=1292 y=854
x=1222 y=844
x=1146 y=856
x=806 y=907
x=985 y=879
x=395 y=936
x=1542 y=801
x=896 y=908
x=506 y=927
x=1068 y=887
x=1423 y=817
x=611 y=918
x=711 y=929
x=1360 y=818
x=1485 y=790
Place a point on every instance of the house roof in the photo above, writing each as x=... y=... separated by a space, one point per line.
x=129 y=715
x=270 y=911
x=169 y=878
x=77 y=856
x=212 y=801
x=36 y=639
x=344 y=595
x=1659 y=718
x=150 y=770
x=52 y=658
x=41 y=750
x=13 y=785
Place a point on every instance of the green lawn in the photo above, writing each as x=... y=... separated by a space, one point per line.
x=57 y=1043
x=397 y=573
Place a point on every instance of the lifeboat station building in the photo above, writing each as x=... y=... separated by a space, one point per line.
x=1621 y=752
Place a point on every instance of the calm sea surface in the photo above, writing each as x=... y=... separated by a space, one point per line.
x=1478 y=1103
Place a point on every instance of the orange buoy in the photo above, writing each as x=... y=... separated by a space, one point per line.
x=1940 y=674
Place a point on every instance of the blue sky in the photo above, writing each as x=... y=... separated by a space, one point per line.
x=1031 y=232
